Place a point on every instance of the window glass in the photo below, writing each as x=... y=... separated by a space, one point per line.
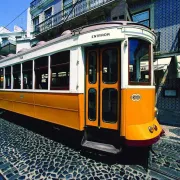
x=139 y=61
x=17 y=76
x=142 y=18
x=92 y=74
x=48 y=13
x=8 y=77
x=36 y=23
x=1 y=78
x=109 y=105
x=60 y=63
x=68 y=8
x=27 y=74
x=110 y=66
x=92 y=104
x=41 y=73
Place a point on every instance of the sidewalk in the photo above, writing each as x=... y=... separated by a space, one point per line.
x=170 y=122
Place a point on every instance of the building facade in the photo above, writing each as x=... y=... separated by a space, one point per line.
x=49 y=18
x=10 y=41
x=163 y=17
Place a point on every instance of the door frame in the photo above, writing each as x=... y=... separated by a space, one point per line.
x=99 y=86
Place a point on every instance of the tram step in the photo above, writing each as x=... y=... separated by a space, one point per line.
x=101 y=147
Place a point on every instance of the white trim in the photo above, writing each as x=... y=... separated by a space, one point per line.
x=39 y=91
x=139 y=87
x=22 y=80
x=49 y=73
x=33 y=76
x=4 y=82
x=152 y=66
x=12 y=78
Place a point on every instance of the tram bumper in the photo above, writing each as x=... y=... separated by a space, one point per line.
x=143 y=134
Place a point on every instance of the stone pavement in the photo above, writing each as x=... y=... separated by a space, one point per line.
x=25 y=154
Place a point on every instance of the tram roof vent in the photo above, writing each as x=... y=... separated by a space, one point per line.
x=10 y=55
x=40 y=43
x=1 y=57
x=22 y=50
x=67 y=32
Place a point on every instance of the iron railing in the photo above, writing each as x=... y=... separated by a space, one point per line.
x=72 y=11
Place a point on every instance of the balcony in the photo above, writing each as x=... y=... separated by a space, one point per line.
x=83 y=7
x=37 y=4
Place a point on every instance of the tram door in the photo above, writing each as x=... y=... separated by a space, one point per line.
x=103 y=88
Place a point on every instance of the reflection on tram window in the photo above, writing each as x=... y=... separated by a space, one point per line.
x=92 y=67
x=27 y=75
x=41 y=73
x=139 y=65
x=8 y=77
x=60 y=71
x=1 y=78
x=17 y=76
x=92 y=104
x=110 y=66
x=109 y=105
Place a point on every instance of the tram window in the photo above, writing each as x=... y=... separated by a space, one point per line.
x=110 y=66
x=27 y=75
x=41 y=73
x=60 y=63
x=139 y=62
x=92 y=67
x=17 y=76
x=8 y=77
x=92 y=104
x=109 y=105
x=1 y=78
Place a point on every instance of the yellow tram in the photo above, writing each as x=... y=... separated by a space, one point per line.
x=97 y=79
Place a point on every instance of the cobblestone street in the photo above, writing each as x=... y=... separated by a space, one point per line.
x=25 y=154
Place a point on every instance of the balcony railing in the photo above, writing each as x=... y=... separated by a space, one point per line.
x=80 y=8
x=37 y=3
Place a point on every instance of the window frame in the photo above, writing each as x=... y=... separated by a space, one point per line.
x=16 y=72
x=27 y=70
x=59 y=65
x=2 y=75
x=9 y=73
x=150 y=62
x=41 y=68
x=139 y=12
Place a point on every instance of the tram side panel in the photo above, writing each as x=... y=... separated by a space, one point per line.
x=138 y=115
x=63 y=109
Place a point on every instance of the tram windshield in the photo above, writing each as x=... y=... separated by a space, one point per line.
x=139 y=62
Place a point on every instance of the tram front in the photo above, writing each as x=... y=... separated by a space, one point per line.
x=119 y=92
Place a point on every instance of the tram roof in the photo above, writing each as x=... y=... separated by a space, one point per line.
x=81 y=30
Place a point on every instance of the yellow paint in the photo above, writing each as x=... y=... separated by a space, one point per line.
x=62 y=109
x=137 y=116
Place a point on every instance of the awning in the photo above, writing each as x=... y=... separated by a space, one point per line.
x=162 y=64
x=178 y=64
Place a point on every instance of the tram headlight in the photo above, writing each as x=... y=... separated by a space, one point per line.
x=155 y=127
x=151 y=130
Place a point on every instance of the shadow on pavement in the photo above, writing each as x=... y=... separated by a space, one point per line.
x=72 y=139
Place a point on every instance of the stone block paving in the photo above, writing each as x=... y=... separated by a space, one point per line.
x=27 y=155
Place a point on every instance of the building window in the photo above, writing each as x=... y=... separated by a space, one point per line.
x=48 y=13
x=139 y=62
x=142 y=18
x=17 y=76
x=1 y=78
x=36 y=23
x=8 y=77
x=27 y=74
x=41 y=73
x=60 y=71
x=67 y=7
